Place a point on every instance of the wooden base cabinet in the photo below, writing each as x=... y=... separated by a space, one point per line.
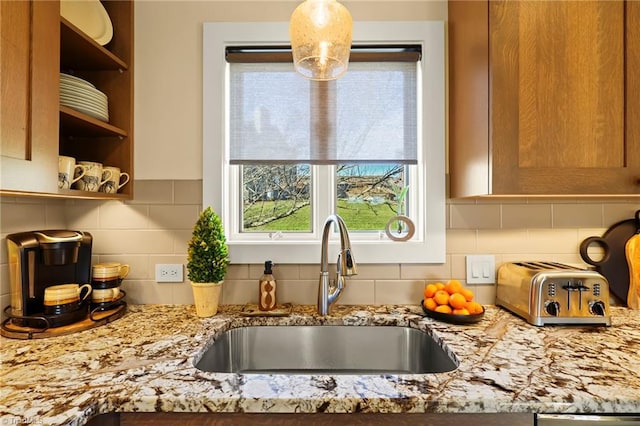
x=544 y=98
x=319 y=419
x=35 y=128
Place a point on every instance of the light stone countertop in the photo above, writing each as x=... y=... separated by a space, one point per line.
x=144 y=362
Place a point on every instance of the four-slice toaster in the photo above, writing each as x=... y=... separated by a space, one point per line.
x=546 y=293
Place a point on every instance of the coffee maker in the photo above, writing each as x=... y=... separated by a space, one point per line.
x=38 y=259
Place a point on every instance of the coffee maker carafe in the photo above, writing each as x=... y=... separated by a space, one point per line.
x=39 y=259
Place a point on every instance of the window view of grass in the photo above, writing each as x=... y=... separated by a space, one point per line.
x=357 y=216
x=277 y=197
x=364 y=216
x=298 y=220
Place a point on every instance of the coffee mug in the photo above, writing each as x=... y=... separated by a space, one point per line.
x=105 y=295
x=63 y=298
x=115 y=180
x=93 y=177
x=108 y=275
x=69 y=172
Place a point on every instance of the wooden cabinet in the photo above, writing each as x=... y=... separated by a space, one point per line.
x=544 y=98
x=30 y=167
x=29 y=65
x=313 y=419
x=110 y=69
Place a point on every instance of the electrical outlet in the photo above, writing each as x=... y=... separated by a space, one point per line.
x=169 y=273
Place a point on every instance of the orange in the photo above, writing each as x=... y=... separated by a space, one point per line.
x=462 y=311
x=439 y=286
x=441 y=297
x=453 y=286
x=474 y=307
x=430 y=290
x=430 y=304
x=457 y=301
x=445 y=309
x=468 y=294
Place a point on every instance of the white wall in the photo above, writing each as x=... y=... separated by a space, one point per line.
x=168 y=71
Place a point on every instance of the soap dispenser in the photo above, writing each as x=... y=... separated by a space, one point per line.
x=267 y=290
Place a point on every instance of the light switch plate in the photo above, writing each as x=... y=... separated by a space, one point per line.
x=481 y=269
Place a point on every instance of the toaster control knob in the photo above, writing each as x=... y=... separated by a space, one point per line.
x=553 y=308
x=597 y=308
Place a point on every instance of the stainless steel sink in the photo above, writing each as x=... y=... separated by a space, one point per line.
x=325 y=350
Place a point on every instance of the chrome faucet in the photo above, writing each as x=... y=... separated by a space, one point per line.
x=328 y=293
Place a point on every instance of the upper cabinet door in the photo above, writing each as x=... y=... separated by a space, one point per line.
x=632 y=117
x=557 y=95
x=559 y=99
x=29 y=66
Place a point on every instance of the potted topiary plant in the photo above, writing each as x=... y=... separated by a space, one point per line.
x=207 y=261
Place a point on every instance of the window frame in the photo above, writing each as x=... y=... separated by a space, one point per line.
x=428 y=246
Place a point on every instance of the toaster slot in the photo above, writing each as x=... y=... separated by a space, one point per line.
x=556 y=265
x=527 y=265
x=543 y=265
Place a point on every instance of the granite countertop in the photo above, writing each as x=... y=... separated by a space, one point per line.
x=144 y=362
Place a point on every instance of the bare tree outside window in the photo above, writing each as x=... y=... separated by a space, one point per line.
x=367 y=194
x=276 y=198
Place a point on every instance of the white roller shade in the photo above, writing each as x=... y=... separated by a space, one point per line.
x=369 y=115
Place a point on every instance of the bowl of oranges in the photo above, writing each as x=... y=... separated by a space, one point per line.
x=451 y=302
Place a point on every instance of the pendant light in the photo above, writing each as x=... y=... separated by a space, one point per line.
x=320 y=32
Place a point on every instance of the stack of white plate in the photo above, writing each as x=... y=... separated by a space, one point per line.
x=83 y=96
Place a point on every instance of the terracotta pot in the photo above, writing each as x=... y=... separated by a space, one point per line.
x=206 y=297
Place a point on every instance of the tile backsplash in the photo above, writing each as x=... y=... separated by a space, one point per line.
x=155 y=227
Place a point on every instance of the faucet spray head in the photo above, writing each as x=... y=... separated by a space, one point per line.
x=346 y=264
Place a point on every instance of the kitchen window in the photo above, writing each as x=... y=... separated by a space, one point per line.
x=282 y=152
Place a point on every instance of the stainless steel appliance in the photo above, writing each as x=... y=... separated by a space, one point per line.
x=38 y=259
x=587 y=419
x=546 y=293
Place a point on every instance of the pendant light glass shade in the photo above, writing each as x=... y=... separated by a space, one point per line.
x=321 y=33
